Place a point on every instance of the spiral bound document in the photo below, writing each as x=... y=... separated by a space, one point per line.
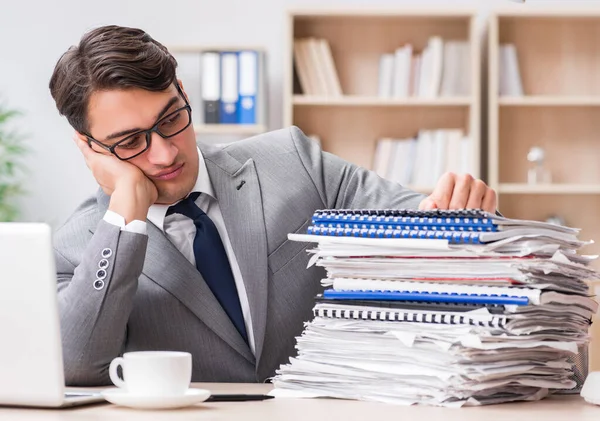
x=416 y=305
x=397 y=315
x=436 y=219
x=453 y=213
x=437 y=289
x=454 y=226
x=433 y=223
x=453 y=237
x=436 y=297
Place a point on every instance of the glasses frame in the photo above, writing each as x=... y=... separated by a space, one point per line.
x=147 y=132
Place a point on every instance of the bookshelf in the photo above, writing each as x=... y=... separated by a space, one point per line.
x=558 y=59
x=190 y=71
x=350 y=125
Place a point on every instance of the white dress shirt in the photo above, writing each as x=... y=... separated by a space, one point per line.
x=180 y=230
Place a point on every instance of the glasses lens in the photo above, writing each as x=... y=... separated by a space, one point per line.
x=131 y=146
x=174 y=123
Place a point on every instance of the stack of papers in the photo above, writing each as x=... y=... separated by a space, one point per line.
x=445 y=308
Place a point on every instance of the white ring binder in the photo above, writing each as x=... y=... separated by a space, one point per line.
x=409 y=316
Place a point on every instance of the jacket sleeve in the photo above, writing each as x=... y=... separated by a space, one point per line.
x=343 y=185
x=96 y=286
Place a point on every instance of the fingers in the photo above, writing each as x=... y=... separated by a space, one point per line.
x=476 y=193
x=427 y=204
x=490 y=201
x=82 y=144
x=442 y=194
x=460 y=192
x=78 y=135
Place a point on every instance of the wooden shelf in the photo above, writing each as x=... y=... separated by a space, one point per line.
x=237 y=129
x=517 y=188
x=373 y=101
x=550 y=101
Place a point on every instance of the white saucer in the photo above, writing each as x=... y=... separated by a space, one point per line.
x=124 y=398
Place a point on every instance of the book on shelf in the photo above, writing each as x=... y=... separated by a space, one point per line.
x=423 y=159
x=442 y=69
x=315 y=67
x=224 y=87
x=510 y=83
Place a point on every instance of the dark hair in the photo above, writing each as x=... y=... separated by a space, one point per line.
x=109 y=57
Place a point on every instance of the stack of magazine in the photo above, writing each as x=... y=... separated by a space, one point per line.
x=441 y=307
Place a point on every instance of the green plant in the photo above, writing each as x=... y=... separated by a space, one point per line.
x=11 y=167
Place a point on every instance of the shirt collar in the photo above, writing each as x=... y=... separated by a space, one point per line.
x=157 y=213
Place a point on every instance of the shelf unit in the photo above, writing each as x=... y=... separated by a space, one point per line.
x=349 y=126
x=194 y=51
x=559 y=56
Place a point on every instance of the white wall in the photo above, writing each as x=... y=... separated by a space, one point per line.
x=33 y=35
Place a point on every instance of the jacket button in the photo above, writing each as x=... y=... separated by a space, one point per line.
x=101 y=274
x=103 y=264
x=106 y=253
x=98 y=284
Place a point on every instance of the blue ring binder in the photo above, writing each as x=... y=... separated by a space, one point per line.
x=453 y=237
x=335 y=220
x=456 y=226
x=441 y=297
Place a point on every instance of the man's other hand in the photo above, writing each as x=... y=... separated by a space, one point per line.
x=460 y=192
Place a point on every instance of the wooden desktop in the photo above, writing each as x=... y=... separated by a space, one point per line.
x=558 y=408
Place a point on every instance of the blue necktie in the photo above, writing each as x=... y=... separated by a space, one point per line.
x=211 y=260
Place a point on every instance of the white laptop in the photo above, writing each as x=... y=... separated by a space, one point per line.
x=31 y=362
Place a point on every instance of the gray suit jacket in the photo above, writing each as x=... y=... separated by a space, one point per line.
x=152 y=298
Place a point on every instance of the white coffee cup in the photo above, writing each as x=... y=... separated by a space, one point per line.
x=153 y=373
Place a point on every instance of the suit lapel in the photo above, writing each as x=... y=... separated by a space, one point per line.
x=167 y=267
x=238 y=192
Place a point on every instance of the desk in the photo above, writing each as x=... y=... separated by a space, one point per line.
x=558 y=408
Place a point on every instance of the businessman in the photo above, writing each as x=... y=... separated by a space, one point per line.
x=184 y=247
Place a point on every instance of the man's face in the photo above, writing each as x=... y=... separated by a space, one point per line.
x=171 y=164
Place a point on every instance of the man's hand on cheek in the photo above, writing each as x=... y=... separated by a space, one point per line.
x=132 y=193
x=460 y=192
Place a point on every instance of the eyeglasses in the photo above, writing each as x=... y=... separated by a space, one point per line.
x=139 y=142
